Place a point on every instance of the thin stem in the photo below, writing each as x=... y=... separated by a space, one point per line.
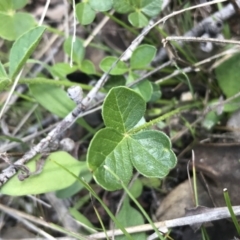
x=194 y=180
x=165 y=116
x=230 y=209
x=44 y=12
x=101 y=222
x=74 y=32
x=88 y=187
x=136 y=202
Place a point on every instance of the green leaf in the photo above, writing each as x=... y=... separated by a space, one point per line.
x=142 y=56
x=129 y=216
x=117 y=149
x=144 y=88
x=88 y=67
x=5 y=6
x=52 y=98
x=156 y=92
x=137 y=188
x=61 y=69
x=108 y=147
x=100 y=5
x=85 y=14
x=152 y=156
x=23 y=48
x=137 y=19
x=8 y=5
x=115 y=81
x=227 y=74
x=119 y=69
x=151 y=7
x=77 y=186
x=210 y=120
x=14 y=25
x=151 y=182
x=17 y=4
x=78 y=49
x=55 y=100
x=122 y=6
x=4 y=83
x=81 y=218
x=122 y=109
x=3 y=73
x=52 y=178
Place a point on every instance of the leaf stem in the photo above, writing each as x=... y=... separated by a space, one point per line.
x=163 y=117
x=136 y=202
x=194 y=179
x=88 y=187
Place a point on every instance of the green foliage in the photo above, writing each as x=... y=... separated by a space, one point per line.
x=108 y=147
x=77 y=186
x=153 y=156
x=78 y=55
x=3 y=73
x=142 y=56
x=129 y=216
x=52 y=98
x=61 y=70
x=81 y=219
x=156 y=94
x=18 y=4
x=151 y=182
x=56 y=101
x=122 y=109
x=23 y=48
x=85 y=13
x=139 y=9
x=145 y=89
x=210 y=120
x=119 y=149
x=136 y=189
x=119 y=69
x=78 y=49
x=123 y=6
x=4 y=83
x=127 y=144
x=115 y=81
x=140 y=59
x=8 y=5
x=101 y=6
x=13 y=24
x=4 y=79
x=227 y=74
x=86 y=10
x=117 y=146
x=138 y=19
x=88 y=67
x=52 y=177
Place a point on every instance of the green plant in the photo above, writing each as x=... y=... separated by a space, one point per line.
x=120 y=148
x=117 y=146
x=14 y=23
x=139 y=10
x=132 y=136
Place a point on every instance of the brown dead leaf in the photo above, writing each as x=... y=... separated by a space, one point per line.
x=179 y=199
x=220 y=164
